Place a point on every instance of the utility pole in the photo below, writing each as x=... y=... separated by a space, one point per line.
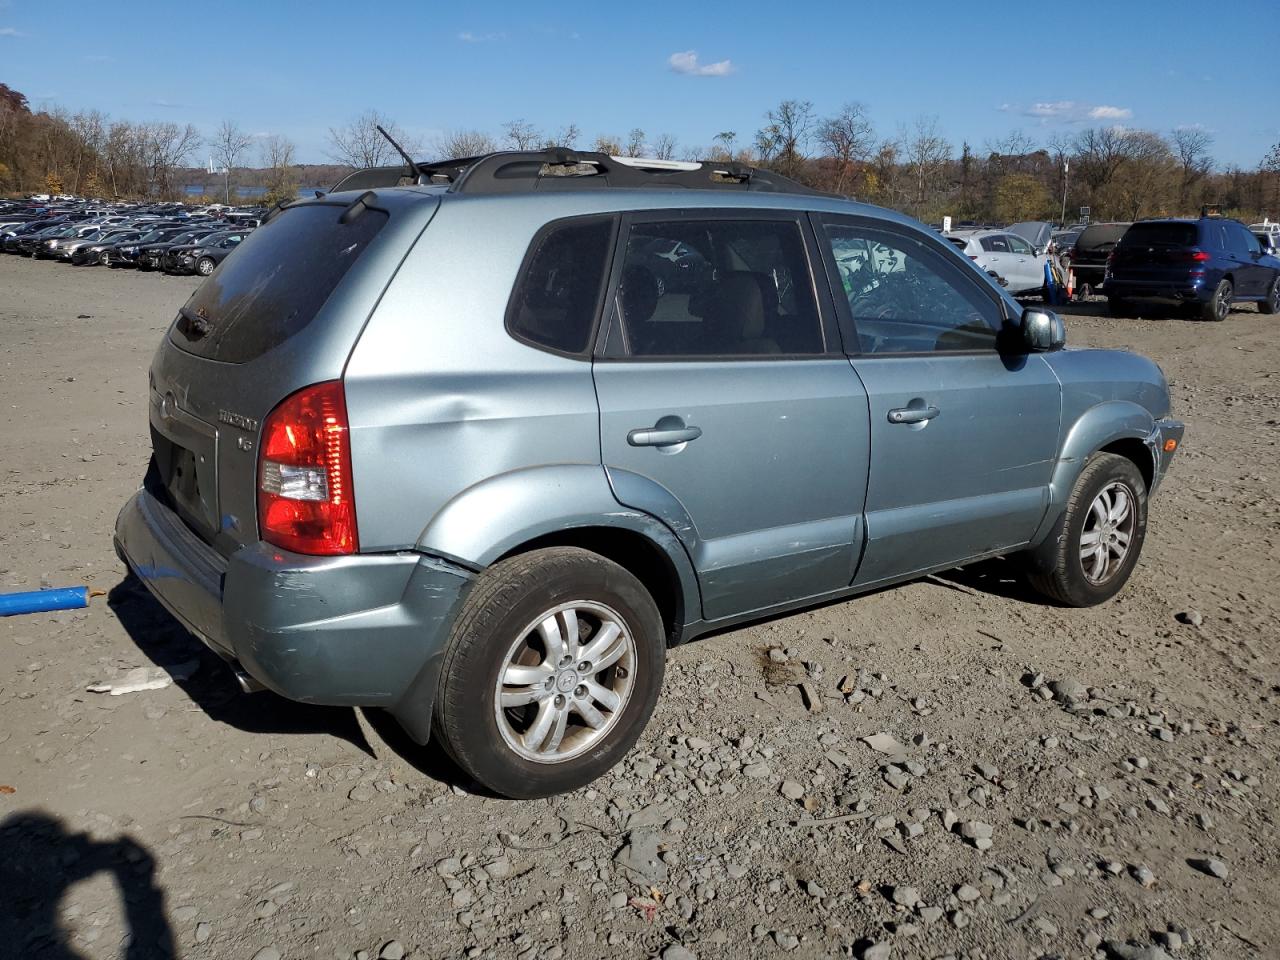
x=1066 y=178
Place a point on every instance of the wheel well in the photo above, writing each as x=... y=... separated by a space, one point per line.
x=1136 y=450
x=632 y=551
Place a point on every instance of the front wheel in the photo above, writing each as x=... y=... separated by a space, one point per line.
x=104 y=258
x=204 y=266
x=1220 y=305
x=1094 y=545
x=1272 y=302
x=551 y=672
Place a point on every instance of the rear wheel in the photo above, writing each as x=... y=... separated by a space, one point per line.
x=1218 y=307
x=551 y=672
x=1095 y=543
x=1118 y=307
x=1272 y=302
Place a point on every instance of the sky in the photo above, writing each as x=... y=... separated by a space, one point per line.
x=690 y=70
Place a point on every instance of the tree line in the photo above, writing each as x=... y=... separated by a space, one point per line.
x=1118 y=172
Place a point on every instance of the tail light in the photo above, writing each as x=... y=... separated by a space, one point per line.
x=1196 y=256
x=305 y=496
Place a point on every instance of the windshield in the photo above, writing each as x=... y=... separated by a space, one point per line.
x=1100 y=235
x=275 y=283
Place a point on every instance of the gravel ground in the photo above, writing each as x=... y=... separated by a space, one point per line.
x=945 y=769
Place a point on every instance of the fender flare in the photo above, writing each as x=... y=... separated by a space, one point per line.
x=1100 y=425
x=490 y=519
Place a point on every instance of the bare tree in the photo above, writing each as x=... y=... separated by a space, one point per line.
x=927 y=154
x=1191 y=149
x=359 y=144
x=664 y=148
x=166 y=146
x=465 y=143
x=229 y=144
x=847 y=138
x=784 y=138
x=566 y=137
x=635 y=142
x=607 y=144
x=277 y=154
x=726 y=140
x=521 y=135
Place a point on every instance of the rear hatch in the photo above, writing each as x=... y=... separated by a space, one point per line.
x=1096 y=242
x=1156 y=250
x=283 y=311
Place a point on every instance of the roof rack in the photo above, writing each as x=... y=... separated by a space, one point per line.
x=559 y=169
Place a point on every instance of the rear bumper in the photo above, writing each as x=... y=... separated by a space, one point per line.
x=366 y=630
x=1172 y=291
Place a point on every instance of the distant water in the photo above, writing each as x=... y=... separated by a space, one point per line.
x=211 y=190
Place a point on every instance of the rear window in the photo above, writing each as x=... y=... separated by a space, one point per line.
x=274 y=284
x=1101 y=234
x=1161 y=235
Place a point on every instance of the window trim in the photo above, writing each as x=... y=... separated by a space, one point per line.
x=607 y=346
x=835 y=289
x=526 y=264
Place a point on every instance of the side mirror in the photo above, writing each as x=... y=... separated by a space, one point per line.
x=1042 y=330
x=1039 y=251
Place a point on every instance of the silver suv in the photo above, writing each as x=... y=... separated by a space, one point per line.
x=479 y=448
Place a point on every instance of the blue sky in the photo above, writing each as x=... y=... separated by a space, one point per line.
x=691 y=70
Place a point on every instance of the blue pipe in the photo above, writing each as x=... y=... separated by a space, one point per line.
x=40 y=601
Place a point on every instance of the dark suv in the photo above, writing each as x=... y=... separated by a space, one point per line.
x=1205 y=265
x=1089 y=256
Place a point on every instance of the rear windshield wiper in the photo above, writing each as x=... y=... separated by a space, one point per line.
x=197 y=326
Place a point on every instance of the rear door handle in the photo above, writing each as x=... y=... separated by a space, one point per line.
x=662 y=436
x=913 y=414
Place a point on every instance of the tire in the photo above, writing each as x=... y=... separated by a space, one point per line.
x=1057 y=568
x=498 y=632
x=1117 y=307
x=1220 y=305
x=204 y=266
x=104 y=258
x=1272 y=303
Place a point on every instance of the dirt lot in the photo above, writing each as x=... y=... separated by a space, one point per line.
x=1069 y=783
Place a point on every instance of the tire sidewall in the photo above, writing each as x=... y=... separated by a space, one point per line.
x=1097 y=475
x=474 y=739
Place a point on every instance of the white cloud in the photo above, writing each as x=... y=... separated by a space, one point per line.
x=1105 y=112
x=166 y=103
x=686 y=62
x=11 y=32
x=1067 y=111
x=466 y=36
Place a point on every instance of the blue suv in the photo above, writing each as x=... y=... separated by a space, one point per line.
x=1205 y=265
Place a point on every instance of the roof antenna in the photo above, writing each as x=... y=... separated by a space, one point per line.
x=417 y=172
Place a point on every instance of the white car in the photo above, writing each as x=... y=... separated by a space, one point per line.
x=1006 y=255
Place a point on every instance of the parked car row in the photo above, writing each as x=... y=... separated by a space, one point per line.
x=164 y=237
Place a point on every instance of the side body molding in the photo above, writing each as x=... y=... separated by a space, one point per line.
x=495 y=516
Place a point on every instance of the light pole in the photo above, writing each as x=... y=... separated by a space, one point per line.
x=1066 y=178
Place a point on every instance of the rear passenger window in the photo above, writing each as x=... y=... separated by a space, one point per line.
x=723 y=288
x=557 y=298
x=995 y=245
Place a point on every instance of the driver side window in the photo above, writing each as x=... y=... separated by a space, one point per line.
x=906 y=297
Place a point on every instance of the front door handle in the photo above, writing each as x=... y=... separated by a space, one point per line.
x=658 y=436
x=912 y=414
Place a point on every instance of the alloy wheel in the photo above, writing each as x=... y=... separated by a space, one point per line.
x=1107 y=533
x=565 y=682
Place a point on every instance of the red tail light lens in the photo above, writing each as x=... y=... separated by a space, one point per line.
x=305 y=497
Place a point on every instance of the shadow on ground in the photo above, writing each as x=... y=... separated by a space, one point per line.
x=40 y=860
x=213 y=688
